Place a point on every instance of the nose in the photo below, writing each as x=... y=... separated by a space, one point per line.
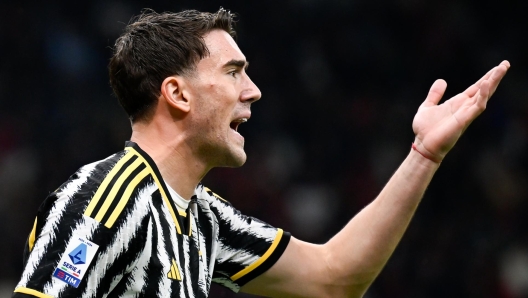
x=250 y=92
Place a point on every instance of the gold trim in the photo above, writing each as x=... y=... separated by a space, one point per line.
x=32 y=292
x=115 y=188
x=262 y=259
x=104 y=185
x=207 y=189
x=126 y=196
x=32 y=235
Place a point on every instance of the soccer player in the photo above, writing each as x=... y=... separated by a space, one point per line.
x=140 y=224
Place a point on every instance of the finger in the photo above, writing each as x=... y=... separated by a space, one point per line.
x=472 y=90
x=483 y=95
x=481 y=101
x=435 y=93
x=497 y=76
x=505 y=63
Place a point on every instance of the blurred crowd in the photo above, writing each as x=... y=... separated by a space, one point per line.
x=341 y=82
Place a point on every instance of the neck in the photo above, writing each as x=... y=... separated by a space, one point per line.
x=175 y=160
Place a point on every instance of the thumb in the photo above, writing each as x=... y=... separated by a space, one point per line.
x=435 y=93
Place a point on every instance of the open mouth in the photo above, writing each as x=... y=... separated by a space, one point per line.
x=235 y=123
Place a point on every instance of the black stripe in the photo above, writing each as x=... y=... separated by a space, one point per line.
x=135 y=250
x=194 y=264
x=166 y=225
x=121 y=190
x=54 y=248
x=240 y=239
x=204 y=222
x=153 y=273
x=243 y=240
x=207 y=232
x=270 y=261
x=110 y=185
x=105 y=238
x=22 y=295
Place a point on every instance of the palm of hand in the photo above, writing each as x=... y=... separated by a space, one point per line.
x=438 y=127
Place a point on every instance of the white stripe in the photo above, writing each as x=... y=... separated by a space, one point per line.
x=174 y=243
x=139 y=273
x=213 y=222
x=187 y=266
x=204 y=279
x=164 y=285
x=227 y=283
x=121 y=243
x=237 y=256
x=47 y=234
x=115 y=280
x=237 y=221
x=239 y=225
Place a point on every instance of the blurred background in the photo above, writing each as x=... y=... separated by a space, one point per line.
x=341 y=82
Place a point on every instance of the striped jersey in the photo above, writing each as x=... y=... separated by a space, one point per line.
x=113 y=230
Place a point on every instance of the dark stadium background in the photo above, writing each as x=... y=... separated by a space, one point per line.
x=341 y=82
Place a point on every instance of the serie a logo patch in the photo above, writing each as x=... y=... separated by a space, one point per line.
x=74 y=262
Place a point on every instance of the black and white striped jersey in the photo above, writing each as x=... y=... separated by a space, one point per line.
x=113 y=230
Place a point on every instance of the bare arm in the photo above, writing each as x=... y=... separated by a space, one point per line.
x=348 y=264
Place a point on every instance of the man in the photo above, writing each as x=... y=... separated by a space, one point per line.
x=140 y=224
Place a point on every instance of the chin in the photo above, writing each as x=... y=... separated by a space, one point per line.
x=238 y=161
x=235 y=159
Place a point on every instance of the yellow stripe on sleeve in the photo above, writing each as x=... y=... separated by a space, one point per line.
x=262 y=259
x=32 y=292
x=124 y=199
x=115 y=188
x=32 y=235
x=160 y=187
x=104 y=184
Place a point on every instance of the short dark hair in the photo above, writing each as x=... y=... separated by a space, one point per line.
x=155 y=46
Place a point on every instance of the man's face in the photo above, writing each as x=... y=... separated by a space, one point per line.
x=222 y=93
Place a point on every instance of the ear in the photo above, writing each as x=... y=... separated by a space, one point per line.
x=172 y=89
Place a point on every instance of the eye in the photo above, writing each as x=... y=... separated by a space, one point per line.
x=233 y=73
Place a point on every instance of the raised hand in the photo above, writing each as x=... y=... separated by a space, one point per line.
x=437 y=127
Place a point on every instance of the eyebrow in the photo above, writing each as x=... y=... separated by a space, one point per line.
x=238 y=63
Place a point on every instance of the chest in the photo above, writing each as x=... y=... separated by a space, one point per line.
x=176 y=257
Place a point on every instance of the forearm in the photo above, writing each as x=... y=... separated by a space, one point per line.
x=357 y=254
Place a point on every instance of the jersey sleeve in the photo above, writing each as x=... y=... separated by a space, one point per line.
x=247 y=247
x=71 y=254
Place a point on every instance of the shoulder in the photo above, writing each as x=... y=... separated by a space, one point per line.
x=207 y=199
x=90 y=176
x=226 y=214
x=76 y=192
x=205 y=194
